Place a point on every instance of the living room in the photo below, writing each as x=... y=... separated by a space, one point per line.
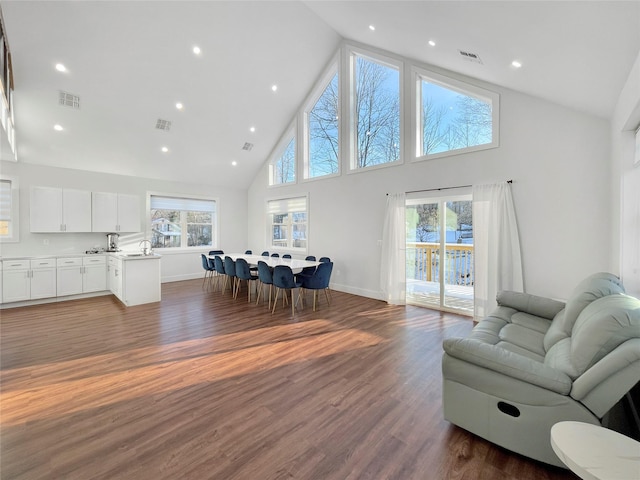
x=570 y=154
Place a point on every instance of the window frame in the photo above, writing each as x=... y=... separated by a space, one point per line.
x=215 y=229
x=291 y=133
x=319 y=88
x=419 y=75
x=14 y=215
x=351 y=52
x=269 y=223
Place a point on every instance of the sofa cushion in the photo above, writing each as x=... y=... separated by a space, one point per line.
x=591 y=288
x=559 y=357
x=602 y=326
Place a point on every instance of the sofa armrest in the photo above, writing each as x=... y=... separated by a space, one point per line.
x=602 y=385
x=532 y=304
x=508 y=363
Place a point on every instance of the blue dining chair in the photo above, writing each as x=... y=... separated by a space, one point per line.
x=306 y=271
x=286 y=255
x=275 y=255
x=219 y=266
x=319 y=281
x=265 y=254
x=230 y=272
x=208 y=271
x=248 y=252
x=243 y=272
x=324 y=259
x=266 y=278
x=283 y=279
x=213 y=253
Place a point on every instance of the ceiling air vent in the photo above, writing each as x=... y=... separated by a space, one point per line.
x=247 y=146
x=472 y=57
x=163 y=125
x=69 y=100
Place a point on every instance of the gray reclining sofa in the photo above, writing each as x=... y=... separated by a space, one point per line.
x=536 y=361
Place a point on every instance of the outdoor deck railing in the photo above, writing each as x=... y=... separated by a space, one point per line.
x=423 y=262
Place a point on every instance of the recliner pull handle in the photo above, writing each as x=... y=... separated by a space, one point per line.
x=508 y=409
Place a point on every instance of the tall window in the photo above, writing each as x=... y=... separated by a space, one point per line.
x=454 y=116
x=9 y=228
x=376 y=112
x=288 y=222
x=178 y=222
x=322 y=130
x=283 y=167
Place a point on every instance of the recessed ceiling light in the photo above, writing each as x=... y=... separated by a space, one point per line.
x=179 y=106
x=372 y=27
x=196 y=50
x=234 y=163
x=60 y=67
x=165 y=149
x=274 y=87
x=432 y=43
x=516 y=64
x=252 y=129
x=58 y=128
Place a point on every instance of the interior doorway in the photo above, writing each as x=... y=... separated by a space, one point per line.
x=439 y=253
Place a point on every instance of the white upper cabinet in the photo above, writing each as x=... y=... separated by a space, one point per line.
x=115 y=212
x=54 y=209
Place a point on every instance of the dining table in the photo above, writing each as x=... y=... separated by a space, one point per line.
x=294 y=263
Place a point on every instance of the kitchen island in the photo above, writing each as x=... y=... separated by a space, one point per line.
x=134 y=277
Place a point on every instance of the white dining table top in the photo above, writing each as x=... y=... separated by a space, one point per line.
x=293 y=263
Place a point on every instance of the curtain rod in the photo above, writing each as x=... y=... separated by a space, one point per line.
x=444 y=188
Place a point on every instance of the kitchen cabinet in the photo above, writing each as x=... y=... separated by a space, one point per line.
x=77 y=275
x=94 y=273
x=54 y=209
x=28 y=279
x=69 y=275
x=115 y=276
x=115 y=212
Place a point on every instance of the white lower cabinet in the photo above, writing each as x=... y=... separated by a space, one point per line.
x=94 y=273
x=28 y=279
x=133 y=281
x=115 y=276
x=81 y=275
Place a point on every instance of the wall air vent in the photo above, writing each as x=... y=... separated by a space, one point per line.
x=163 y=125
x=247 y=146
x=69 y=100
x=472 y=57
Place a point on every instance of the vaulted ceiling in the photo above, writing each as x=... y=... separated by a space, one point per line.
x=131 y=62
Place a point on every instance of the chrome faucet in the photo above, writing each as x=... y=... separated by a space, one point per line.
x=146 y=250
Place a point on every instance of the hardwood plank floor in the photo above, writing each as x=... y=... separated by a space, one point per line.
x=201 y=386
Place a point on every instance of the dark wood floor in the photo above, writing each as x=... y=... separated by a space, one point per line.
x=201 y=386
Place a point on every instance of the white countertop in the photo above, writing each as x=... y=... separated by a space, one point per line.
x=130 y=255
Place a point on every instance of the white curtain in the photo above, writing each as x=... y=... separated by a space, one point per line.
x=393 y=262
x=498 y=265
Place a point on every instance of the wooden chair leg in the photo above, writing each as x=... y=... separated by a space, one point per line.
x=275 y=300
x=259 y=288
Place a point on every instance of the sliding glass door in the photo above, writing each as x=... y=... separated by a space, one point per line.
x=439 y=253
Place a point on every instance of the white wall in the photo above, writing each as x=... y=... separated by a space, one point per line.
x=559 y=160
x=175 y=265
x=626 y=182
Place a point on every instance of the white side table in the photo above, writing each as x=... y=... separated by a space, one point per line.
x=596 y=453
